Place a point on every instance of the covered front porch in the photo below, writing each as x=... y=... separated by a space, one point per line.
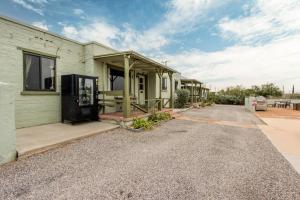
x=136 y=85
x=195 y=88
x=205 y=92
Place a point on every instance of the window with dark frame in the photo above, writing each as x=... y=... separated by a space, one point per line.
x=164 y=83
x=39 y=72
x=116 y=80
x=141 y=84
x=176 y=85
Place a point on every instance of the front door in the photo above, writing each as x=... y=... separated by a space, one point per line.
x=142 y=91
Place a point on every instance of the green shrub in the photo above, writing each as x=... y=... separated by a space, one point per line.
x=202 y=104
x=183 y=96
x=209 y=103
x=142 y=123
x=160 y=117
x=229 y=99
x=152 y=120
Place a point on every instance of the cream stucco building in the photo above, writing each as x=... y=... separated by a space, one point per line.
x=33 y=60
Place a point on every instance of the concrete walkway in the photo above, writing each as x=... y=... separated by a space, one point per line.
x=213 y=153
x=283 y=129
x=40 y=138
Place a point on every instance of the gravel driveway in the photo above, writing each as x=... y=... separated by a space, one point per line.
x=211 y=153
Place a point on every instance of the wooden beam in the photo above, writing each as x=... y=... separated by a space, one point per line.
x=171 y=103
x=126 y=97
x=192 y=99
x=132 y=64
x=160 y=91
x=138 y=107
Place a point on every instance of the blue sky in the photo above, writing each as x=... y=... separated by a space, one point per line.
x=220 y=42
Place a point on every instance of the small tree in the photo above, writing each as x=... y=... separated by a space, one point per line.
x=183 y=96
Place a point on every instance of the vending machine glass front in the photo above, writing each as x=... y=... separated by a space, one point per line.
x=86 y=91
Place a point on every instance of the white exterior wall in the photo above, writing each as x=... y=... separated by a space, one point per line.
x=36 y=108
x=7 y=124
x=166 y=93
x=71 y=58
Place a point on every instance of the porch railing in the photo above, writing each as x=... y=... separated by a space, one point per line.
x=106 y=100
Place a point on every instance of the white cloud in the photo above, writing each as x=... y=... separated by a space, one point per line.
x=96 y=31
x=182 y=16
x=267 y=48
x=78 y=11
x=267 y=20
x=277 y=62
x=33 y=5
x=38 y=1
x=41 y=25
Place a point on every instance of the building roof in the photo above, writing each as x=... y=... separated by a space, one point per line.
x=53 y=34
x=138 y=60
x=189 y=80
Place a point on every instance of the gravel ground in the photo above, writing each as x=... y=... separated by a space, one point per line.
x=181 y=159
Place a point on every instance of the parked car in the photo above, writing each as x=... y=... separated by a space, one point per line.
x=261 y=103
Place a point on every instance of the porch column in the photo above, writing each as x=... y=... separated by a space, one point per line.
x=126 y=97
x=160 y=105
x=200 y=96
x=196 y=92
x=171 y=102
x=192 y=99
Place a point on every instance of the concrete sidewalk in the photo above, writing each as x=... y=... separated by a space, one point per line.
x=40 y=138
x=284 y=132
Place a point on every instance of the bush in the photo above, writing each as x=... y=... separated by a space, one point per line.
x=142 y=123
x=183 y=96
x=202 y=104
x=160 y=117
x=229 y=99
x=152 y=120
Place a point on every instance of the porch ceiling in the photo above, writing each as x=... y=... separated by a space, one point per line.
x=138 y=61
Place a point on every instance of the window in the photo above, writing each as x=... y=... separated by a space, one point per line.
x=39 y=72
x=116 y=79
x=141 y=83
x=164 y=83
x=176 y=85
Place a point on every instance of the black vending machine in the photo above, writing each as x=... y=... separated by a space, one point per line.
x=79 y=98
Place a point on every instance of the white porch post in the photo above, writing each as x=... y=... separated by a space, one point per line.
x=171 y=102
x=160 y=105
x=192 y=99
x=126 y=97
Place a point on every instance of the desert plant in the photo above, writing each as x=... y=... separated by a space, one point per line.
x=142 y=123
x=157 y=117
x=183 y=96
x=202 y=104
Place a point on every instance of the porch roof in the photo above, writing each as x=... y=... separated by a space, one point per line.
x=189 y=80
x=137 y=61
